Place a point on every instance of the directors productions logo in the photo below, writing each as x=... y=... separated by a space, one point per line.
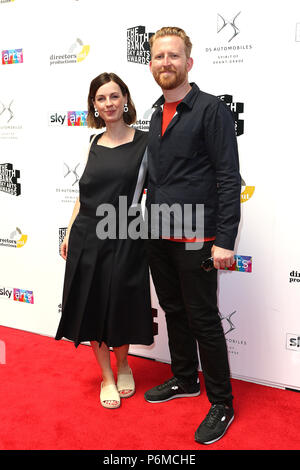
x=138 y=47
x=9 y=179
x=144 y=123
x=295 y=277
x=12 y=56
x=16 y=239
x=19 y=295
x=77 y=52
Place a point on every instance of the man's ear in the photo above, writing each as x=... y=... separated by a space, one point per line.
x=189 y=63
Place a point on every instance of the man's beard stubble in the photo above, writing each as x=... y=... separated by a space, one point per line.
x=171 y=82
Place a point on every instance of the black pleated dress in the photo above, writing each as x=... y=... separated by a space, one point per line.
x=106 y=294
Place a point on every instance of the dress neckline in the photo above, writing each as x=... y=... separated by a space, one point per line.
x=117 y=146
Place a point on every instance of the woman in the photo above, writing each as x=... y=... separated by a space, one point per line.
x=106 y=297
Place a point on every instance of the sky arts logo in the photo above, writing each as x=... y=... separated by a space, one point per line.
x=241 y=264
x=12 y=56
x=70 y=119
x=76 y=53
x=16 y=239
x=19 y=295
x=293 y=342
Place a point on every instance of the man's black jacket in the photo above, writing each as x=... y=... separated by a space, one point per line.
x=196 y=162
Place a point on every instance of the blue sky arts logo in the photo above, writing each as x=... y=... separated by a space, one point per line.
x=138 y=47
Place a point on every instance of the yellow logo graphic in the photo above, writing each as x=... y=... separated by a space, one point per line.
x=16 y=239
x=83 y=53
x=247 y=193
x=21 y=242
x=82 y=49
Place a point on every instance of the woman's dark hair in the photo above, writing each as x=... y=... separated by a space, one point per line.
x=97 y=122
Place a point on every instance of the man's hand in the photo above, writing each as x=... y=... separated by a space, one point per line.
x=222 y=258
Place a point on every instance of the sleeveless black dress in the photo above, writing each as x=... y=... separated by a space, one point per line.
x=106 y=294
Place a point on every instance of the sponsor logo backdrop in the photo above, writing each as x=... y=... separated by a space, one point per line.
x=246 y=55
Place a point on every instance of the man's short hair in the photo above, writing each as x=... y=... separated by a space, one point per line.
x=173 y=31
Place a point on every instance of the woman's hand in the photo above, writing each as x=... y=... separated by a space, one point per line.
x=64 y=247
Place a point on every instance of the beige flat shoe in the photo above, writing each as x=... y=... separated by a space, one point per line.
x=109 y=393
x=126 y=382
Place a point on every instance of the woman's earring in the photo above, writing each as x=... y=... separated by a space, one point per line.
x=125 y=108
x=96 y=113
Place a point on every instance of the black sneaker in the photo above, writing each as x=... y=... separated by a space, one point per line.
x=172 y=389
x=214 y=426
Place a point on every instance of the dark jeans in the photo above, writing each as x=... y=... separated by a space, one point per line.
x=188 y=295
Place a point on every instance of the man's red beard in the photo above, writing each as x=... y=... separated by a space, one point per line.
x=171 y=81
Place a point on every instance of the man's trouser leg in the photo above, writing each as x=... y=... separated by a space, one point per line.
x=182 y=344
x=188 y=295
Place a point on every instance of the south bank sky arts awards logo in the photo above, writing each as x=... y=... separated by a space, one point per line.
x=78 y=51
x=237 y=108
x=138 y=47
x=229 y=46
x=9 y=179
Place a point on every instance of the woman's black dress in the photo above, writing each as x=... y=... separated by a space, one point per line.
x=106 y=295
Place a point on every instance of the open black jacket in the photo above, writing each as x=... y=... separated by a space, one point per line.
x=196 y=162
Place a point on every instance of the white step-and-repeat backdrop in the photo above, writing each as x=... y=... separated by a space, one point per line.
x=245 y=52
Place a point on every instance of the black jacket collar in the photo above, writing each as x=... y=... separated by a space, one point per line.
x=188 y=100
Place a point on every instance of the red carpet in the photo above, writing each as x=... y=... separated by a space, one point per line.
x=49 y=399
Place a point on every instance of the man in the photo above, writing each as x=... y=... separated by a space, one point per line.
x=193 y=159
